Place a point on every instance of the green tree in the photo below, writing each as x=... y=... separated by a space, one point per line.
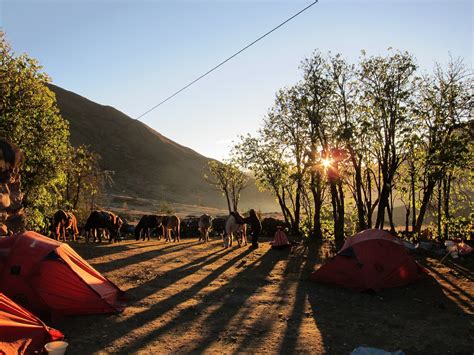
x=30 y=118
x=387 y=84
x=229 y=179
x=85 y=180
x=286 y=125
x=444 y=108
x=264 y=159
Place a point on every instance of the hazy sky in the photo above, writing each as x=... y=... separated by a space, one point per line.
x=133 y=54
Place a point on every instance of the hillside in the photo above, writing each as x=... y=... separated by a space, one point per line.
x=146 y=164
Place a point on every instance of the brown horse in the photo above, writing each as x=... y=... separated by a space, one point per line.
x=205 y=223
x=64 y=222
x=146 y=224
x=103 y=221
x=171 y=225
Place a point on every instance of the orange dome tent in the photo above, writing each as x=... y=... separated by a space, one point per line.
x=21 y=331
x=49 y=277
x=370 y=260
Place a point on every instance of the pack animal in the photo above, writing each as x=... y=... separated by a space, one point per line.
x=146 y=224
x=234 y=225
x=100 y=222
x=64 y=223
x=171 y=226
x=205 y=223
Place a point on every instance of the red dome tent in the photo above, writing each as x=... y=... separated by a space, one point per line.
x=22 y=332
x=370 y=260
x=47 y=276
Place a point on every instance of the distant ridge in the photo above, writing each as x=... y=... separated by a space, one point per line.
x=146 y=163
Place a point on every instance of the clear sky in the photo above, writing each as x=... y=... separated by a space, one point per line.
x=132 y=54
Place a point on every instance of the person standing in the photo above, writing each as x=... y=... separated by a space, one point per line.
x=256 y=227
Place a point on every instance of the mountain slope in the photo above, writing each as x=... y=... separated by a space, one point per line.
x=146 y=164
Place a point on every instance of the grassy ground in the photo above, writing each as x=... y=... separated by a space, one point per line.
x=200 y=298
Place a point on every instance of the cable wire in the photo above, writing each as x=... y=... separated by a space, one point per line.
x=226 y=60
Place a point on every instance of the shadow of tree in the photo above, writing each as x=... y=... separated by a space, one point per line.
x=122 y=328
x=140 y=257
x=418 y=318
x=231 y=298
x=174 y=275
x=430 y=316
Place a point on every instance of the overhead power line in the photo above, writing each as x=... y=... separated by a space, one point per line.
x=226 y=60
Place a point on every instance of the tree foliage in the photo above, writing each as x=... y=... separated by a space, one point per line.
x=365 y=136
x=228 y=179
x=30 y=118
x=54 y=175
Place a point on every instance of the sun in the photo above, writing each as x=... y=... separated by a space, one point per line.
x=326 y=162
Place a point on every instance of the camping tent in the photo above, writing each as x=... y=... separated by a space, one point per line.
x=46 y=276
x=21 y=331
x=370 y=260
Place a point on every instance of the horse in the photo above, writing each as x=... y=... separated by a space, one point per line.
x=126 y=229
x=63 y=222
x=146 y=224
x=205 y=223
x=171 y=225
x=103 y=221
x=234 y=225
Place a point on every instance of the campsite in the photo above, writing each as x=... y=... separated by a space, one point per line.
x=196 y=297
x=236 y=177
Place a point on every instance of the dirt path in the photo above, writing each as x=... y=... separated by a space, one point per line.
x=199 y=298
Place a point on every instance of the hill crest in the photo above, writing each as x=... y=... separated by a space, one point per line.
x=146 y=164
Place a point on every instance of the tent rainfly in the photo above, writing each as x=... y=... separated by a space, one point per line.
x=49 y=277
x=370 y=260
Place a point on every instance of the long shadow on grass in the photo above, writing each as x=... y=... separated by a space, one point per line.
x=262 y=327
x=122 y=328
x=302 y=264
x=468 y=304
x=418 y=318
x=140 y=257
x=174 y=275
x=94 y=250
x=100 y=337
x=463 y=271
x=230 y=296
x=233 y=298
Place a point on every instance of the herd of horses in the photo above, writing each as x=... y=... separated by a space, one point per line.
x=107 y=225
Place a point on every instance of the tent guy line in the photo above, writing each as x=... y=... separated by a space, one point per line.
x=218 y=65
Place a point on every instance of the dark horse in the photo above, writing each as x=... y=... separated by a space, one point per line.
x=64 y=222
x=105 y=221
x=146 y=224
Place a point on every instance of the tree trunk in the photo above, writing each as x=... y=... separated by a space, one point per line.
x=424 y=204
x=296 y=225
x=78 y=191
x=383 y=203
x=284 y=208
x=228 y=200
x=359 y=201
x=413 y=199
x=337 y=201
x=447 y=196
x=369 y=200
x=440 y=202
x=318 y=203
x=407 y=219
x=390 y=213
